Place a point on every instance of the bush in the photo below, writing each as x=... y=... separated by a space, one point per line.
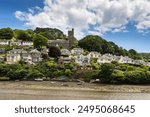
x=118 y=76
x=105 y=75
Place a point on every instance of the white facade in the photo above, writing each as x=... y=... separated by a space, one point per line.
x=4 y=42
x=13 y=58
x=65 y=52
x=94 y=55
x=82 y=60
x=77 y=51
x=27 y=43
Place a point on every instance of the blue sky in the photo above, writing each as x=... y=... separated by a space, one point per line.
x=117 y=21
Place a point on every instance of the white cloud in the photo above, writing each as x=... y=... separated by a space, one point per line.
x=102 y=15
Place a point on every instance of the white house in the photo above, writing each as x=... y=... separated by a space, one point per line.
x=15 y=51
x=4 y=42
x=94 y=55
x=66 y=60
x=126 y=60
x=65 y=52
x=106 y=58
x=13 y=58
x=139 y=62
x=27 y=43
x=77 y=51
x=82 y=60
x=16 y=43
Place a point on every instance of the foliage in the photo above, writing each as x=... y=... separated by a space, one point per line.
x=96 y=43
x=23 y=35
x=105 y=74
x=50 y=33
x=39 y=41
x=6 y=33
x=54 y=52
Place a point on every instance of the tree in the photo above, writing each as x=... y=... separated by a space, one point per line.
x=23 y=35
x=133 y=54
x=68 y=72
x=39 y=41
x=91 y=43
x=50 y=33
x=105 y=75
x=54 y=52
x=6 y=33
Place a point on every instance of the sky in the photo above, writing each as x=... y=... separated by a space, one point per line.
x=125 y=22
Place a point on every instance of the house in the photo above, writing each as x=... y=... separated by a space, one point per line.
x=2 y=50
x=79 y=59
x=16 y=43
x=106 y=58
x=139 y=62
x=27 y=43
x=126 y=60
x=77 y=51
x=36 y=56
x=26 y=57
x=4 y=42
x=13 y=58
x=65 y=52
x=94 y=55
x=86 y=60
x=15 y=51
x=66 y=59
x=82 y=60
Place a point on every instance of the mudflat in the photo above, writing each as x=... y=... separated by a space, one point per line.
x=51 y=90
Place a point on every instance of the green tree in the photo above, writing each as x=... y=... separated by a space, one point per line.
x=6 y=33
x=105 y=75
x=23 y=35
x=39 y=41
x=54 y=52
x=68 y=72
x=91 y=43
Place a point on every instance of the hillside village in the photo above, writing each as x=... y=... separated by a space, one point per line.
x=31 y=55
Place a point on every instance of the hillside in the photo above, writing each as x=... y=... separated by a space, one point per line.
x=50 y=33
x=96 y=43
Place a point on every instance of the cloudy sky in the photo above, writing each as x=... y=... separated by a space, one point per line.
x=125 y=22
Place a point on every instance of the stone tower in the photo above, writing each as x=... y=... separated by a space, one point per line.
x=71 y=38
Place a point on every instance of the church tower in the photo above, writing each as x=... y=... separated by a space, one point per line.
x=71 y=38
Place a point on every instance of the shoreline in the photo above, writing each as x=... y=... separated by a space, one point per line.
x=73 y=86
